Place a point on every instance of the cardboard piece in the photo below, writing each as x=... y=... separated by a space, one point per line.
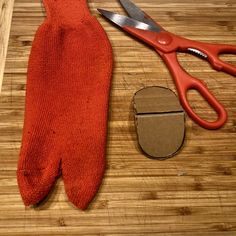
x=160 y=121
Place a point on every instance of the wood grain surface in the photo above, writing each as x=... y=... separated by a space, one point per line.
x=191 y=194
x=6 y=8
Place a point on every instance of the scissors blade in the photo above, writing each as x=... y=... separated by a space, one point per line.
x=126 y=21
x=138 y=14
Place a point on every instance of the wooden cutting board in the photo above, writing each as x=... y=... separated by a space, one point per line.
x=193 y=193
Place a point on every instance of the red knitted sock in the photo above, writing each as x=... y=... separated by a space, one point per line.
x=67 y=95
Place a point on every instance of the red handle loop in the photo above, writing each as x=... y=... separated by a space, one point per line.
x=208 y=96
x=211 y=50
x=185 y=82
x=214 y=50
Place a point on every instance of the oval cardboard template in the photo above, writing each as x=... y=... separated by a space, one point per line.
x=160 y=121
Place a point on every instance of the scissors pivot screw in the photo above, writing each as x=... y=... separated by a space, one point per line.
x=163 y=38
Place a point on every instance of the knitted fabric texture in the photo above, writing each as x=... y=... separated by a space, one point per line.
x=68 y=84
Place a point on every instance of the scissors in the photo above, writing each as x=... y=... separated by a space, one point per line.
x=142 y=26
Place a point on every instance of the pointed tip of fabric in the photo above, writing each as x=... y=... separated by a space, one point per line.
x=34 y=187
x=83 y=206
x=80 y=201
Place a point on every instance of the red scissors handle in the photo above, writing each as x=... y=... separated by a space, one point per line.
x=212 y=51
x=185 y=82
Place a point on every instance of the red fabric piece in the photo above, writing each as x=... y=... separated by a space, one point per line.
x=68 y=84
